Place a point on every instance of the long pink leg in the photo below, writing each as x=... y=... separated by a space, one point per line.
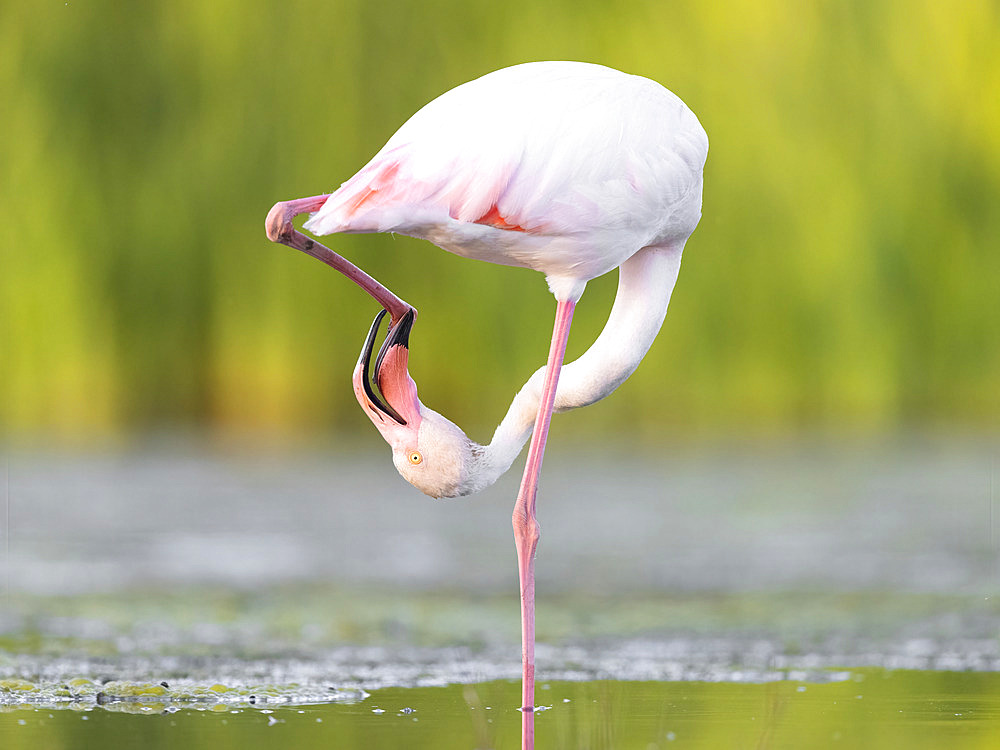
x=526 y=532
x=280 y=229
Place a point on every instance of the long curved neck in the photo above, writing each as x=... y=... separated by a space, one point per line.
x=645 y=283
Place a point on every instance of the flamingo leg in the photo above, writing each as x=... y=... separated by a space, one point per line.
x=280 y=229
x=526 y=531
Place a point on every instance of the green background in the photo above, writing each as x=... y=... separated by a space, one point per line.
x=845 y=275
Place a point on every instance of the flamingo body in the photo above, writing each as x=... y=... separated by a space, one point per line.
x=567 y=168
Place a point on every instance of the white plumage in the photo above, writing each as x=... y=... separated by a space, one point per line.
x=591 y=163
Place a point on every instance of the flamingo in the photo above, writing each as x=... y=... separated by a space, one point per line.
x=571 y=169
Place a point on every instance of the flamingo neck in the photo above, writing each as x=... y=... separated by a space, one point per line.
x=645 y=283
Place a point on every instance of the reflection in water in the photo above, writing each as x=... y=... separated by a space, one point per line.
x=871 y=709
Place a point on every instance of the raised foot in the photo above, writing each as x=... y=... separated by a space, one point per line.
x=279 y=228
x=278 y=223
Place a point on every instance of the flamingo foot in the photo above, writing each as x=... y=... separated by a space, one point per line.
x=279 y=228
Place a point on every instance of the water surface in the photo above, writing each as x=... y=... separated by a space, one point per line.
x=868 y=709
x=747 y=597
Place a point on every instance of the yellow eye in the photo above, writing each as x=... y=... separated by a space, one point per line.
x=415 y=458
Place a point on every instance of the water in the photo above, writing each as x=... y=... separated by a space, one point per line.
x=788 y=597
x=869 y=709
x=914 y=517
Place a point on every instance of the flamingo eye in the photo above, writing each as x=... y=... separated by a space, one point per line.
x=415 y=458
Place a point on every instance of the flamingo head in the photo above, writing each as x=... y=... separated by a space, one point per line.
x=429 y=451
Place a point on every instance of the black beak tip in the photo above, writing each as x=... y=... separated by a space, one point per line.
x=398 y=335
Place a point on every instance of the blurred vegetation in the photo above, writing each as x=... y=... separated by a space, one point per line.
x=845 y=274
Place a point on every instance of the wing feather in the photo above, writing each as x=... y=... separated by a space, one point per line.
x=567 y=149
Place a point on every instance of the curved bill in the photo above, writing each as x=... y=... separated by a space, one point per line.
x=364 y=362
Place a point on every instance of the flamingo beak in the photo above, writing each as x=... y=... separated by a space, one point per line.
x=398 y=404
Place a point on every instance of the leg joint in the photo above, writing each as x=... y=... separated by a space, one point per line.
x=526 y=528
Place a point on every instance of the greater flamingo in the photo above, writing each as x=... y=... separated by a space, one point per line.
x=568 y=168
